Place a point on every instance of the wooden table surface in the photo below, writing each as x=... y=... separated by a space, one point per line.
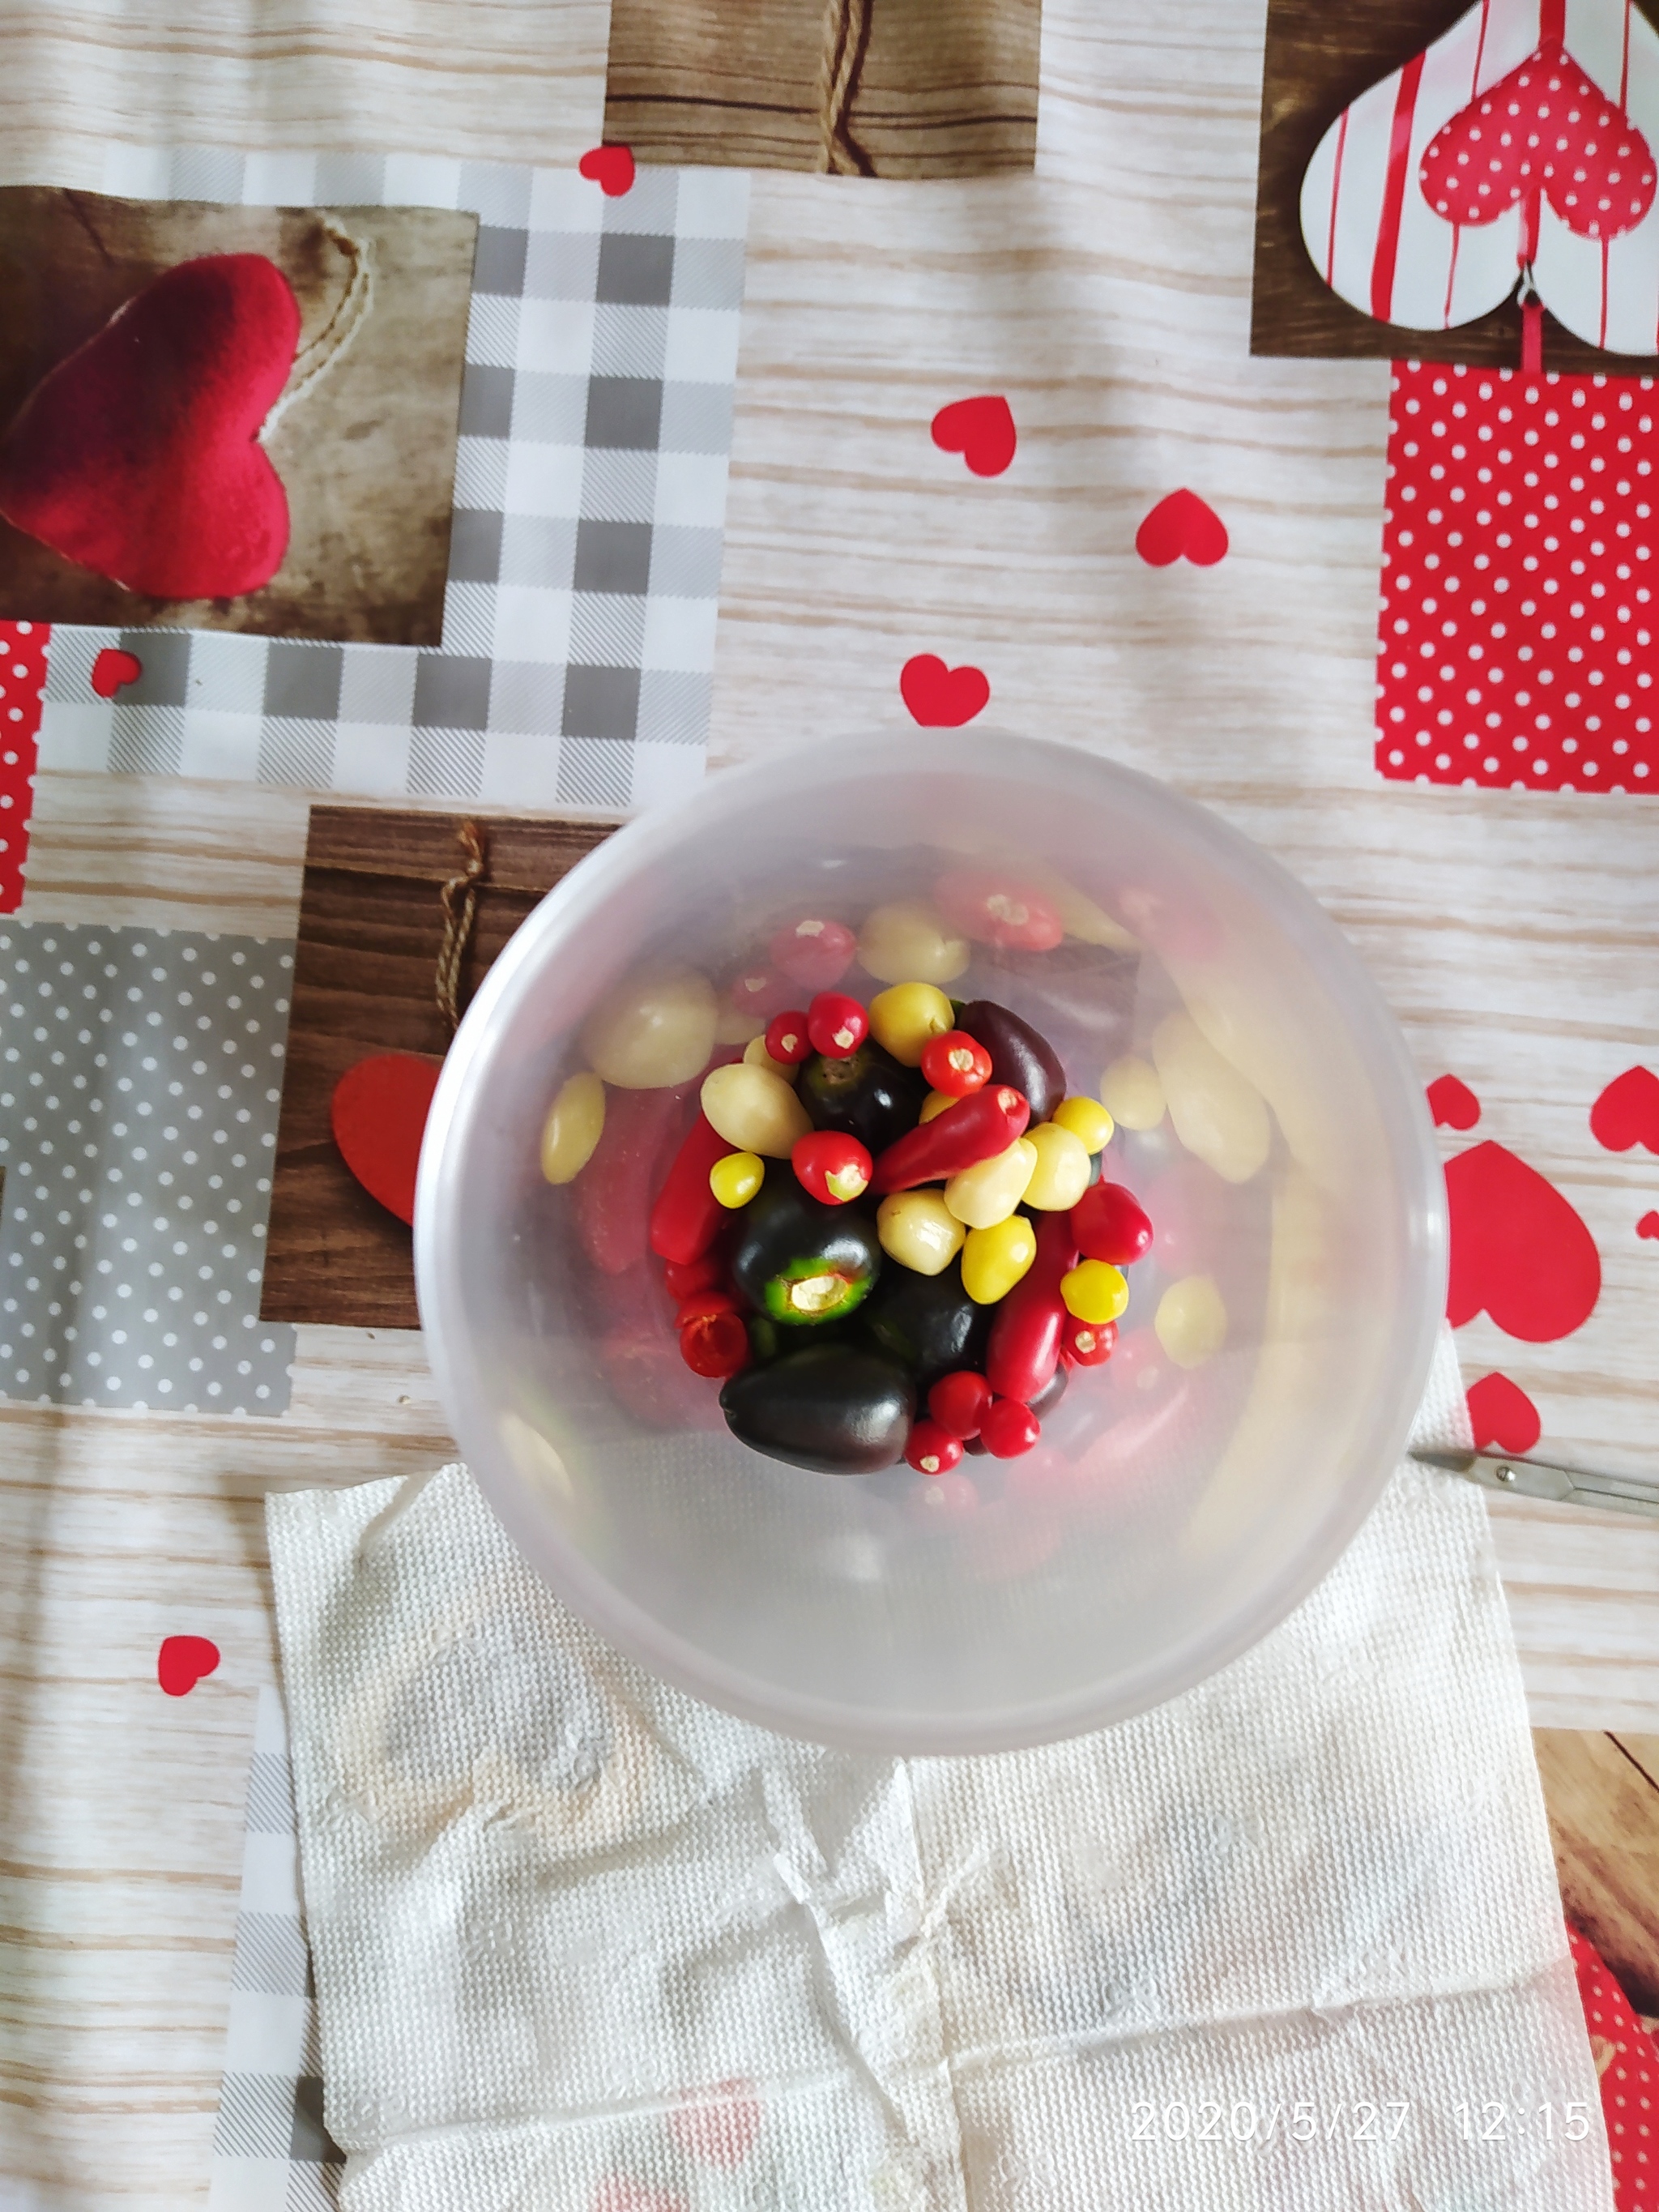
x=1108 y=296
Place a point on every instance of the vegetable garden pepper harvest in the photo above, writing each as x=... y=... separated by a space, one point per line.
x=883 y=1224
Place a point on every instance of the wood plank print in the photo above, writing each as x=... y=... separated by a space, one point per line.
x=371 y=926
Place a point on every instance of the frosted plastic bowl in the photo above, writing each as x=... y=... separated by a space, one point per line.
x=1168 y=1517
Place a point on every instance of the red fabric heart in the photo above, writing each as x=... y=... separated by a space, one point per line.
x=22 y=680
x=1544 y=128
x=717 y=2126
x=610 y=167
x=182 y=1662
x=982 y=430
x=379 y=1113
x=1503 y=1414
x=1627 y=2064
x=136 y=456
x=1182 y=524
x=1648 y=1226
x=1627 y=1112
x=1452 y=1103
x=942 y=698
x=1514 y=637
x=112 y=668
x=1519 y=1252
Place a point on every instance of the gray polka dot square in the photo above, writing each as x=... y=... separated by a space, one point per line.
x=140 y=1075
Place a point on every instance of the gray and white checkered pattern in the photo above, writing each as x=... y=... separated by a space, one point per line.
x=590 y=506
x=272 y=2153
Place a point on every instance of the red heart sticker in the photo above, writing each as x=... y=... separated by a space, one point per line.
x=1519 y=1251
x=1183 y=525
x=942 y=698
x=1503 y=1414
x=1544 y=128
x=183 y=1662
x=1648 y=1226
x=1627 y=1112
x=717 y=2126
x=379 y=1114
x=1452 y=1103
x=138 y=456
x=112 y=668
x=610 y=167
x=980 y=429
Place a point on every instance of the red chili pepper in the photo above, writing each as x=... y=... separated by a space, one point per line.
x=704 y=1303
x=786 y=1041
x=1109 y=1225
x=813 y=952
x=997 y=909
x=1087 y=1343
x=972 y=1130
x=688 y=1217
x=759 y=991
x=931 y=1450
x=715 y=1345
x=613 y=1192
x=1024 y=1349
x=836 y=1024
x=957 y=1402
x=1010 y=1429
x=832 y=1165
x=956 y=1063
x=684 y=1281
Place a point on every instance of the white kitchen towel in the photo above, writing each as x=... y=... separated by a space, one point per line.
x=583 y=1944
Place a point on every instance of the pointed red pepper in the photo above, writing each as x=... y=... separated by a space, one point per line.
x=612 y=1194
x=975 y=1128
x=687 y=1216
x=1023 y=1350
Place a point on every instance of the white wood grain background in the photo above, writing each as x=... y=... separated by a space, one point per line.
x=1107 y=297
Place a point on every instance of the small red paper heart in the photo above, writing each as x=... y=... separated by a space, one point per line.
x=718 y=2125
x=1503 y=1414
x=1545 y=129
x=1627 y=1112
x=182 y=1662
x=112 y=668
x=1519 y=1251
x=610 y=167
x=1182 y=523
x=379 y=1114
x=137 y=457
x=980 y=429
x=1648 y=1226
x=942 y=698
x=1452 y=1103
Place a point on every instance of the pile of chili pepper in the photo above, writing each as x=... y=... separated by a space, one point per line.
x=887 y=1234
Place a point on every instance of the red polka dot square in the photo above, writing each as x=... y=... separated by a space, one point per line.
x=22 y=680
x=1517 y=625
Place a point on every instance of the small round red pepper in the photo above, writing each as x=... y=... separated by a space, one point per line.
x=1010 y=1429
x=1087 y=1343
x=832 y=1165
x=836 y=1024
x=686 y=1278
x=1109 y=1225
x=814 y=952
x=931 y=1450
x=715 y=1345
x=997 y=909
x=957 y=1402
x=975 y=1128
x=786 y=1041
x=759 y=991
x=956 y=1063
x=704 y=1303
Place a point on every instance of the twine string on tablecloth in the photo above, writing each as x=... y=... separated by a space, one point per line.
x=314 y=361
x=846 y=42
x=459 y=899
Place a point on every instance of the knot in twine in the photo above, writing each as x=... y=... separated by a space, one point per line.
x=459 y=900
